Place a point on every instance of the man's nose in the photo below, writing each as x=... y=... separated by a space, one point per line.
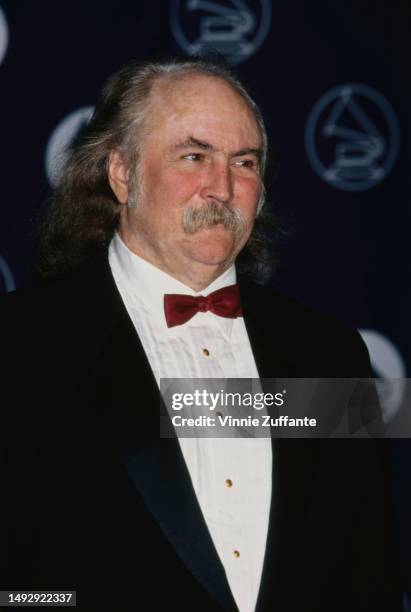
x=218 y=183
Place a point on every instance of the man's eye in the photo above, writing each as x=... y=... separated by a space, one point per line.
x=192 y=157
x=246 y=163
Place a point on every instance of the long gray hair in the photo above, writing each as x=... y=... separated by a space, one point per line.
x=82 y=213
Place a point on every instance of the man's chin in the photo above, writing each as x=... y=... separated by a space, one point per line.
x=212 y=257
x=212 y=246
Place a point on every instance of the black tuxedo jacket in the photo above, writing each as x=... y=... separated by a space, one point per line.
x=95 y=502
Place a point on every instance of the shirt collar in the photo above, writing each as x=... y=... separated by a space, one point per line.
x=148 y=284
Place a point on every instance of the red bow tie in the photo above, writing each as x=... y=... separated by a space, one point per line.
x=224 y=302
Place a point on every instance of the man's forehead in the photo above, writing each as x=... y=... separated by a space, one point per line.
x=203 y=103
x=188 y=94
x=192 y=83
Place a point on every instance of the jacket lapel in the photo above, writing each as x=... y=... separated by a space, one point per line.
x=155 y=466
x=294 y=460
x=160 y=475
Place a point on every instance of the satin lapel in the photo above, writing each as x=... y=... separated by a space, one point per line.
x=155 y=466
x=294 y=460
x=160 y=475
x=267 y=334
x=293 y=471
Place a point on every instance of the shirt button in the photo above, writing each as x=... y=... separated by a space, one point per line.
x=206 y=352
x=229 y=483
x=236 y=553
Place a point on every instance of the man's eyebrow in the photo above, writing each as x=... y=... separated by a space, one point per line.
x=249 y=151
x=201 y=144
x=193 y=142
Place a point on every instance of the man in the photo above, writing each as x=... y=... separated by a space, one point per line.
x=169 y=175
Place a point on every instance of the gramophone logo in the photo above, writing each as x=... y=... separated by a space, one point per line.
x=352 y=137
x=6 y=276
x=234 y=29
x=4 y=35
x=389 y=367
x=61 y=139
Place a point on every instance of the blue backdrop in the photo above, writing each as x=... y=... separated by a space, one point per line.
x=332 y=79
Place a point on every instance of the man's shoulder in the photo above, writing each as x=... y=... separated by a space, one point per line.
x=300 y=329
x=70 y=298
x=276 y=304
x=86 y=277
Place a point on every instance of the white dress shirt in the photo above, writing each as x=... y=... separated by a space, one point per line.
x=231 y=477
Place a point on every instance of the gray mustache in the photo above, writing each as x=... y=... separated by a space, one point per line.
x=195 y=219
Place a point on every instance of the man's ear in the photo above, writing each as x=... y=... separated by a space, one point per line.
x=118 y=175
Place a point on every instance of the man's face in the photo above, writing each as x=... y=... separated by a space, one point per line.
x=200 y=155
